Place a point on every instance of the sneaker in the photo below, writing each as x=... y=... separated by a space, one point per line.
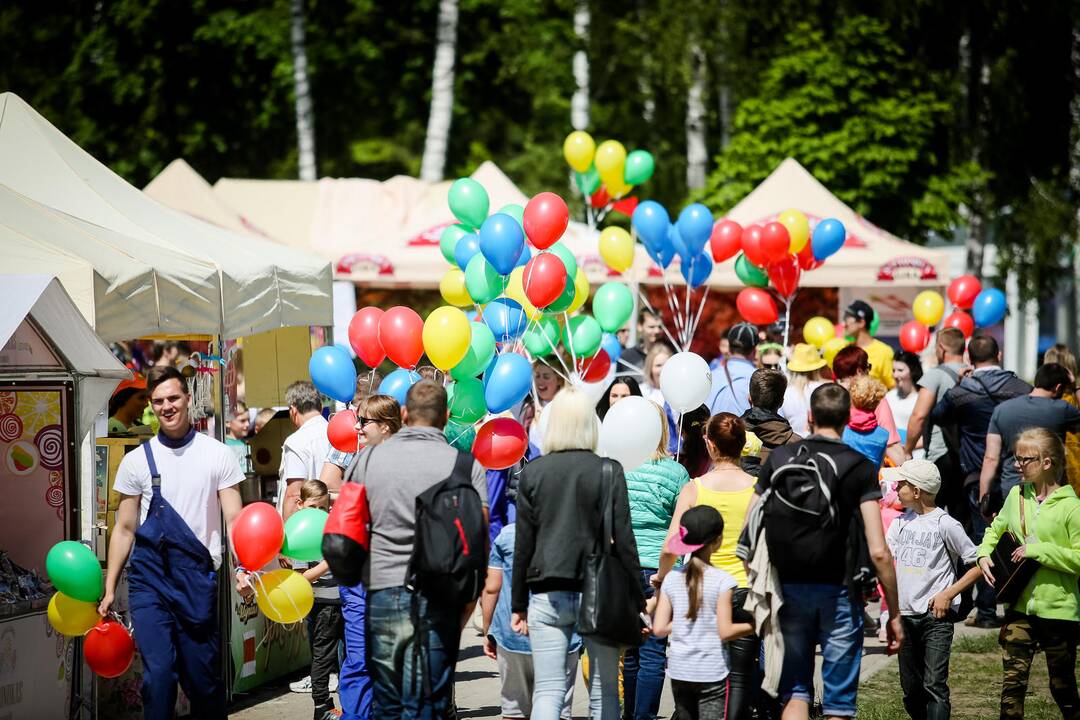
x=301 y=686
x=983 y=623
x=327 y=713
x=333 y=682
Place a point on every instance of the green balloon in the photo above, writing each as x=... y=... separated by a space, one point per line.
x=460 y=436
x=303 y=534
x=542 y=338
x=568 y=260
x=583 y=335
x=639 y=167
x=749 y=273
x=612 y=306
x=465 y=398
x=469 y=202
x=449 y=240
x=515 y=211
x=482 y=281
x=588 y=181
x=74 y=570
x=564 y=301
x=478 y=357
x=874 y=324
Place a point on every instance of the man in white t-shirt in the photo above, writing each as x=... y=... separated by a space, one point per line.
x=174 y=491
x=305 y=451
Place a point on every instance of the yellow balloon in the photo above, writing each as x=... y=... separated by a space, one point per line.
x=578 y=149
x=452 y=288
x=616 y=188
x=72 y=617
x=610 y=162
x=284 y=596
x=798 y=228
x=447 y=335
x=928 y=308
x=617 y=248
x=817 y=331
x=832 y=346
x=515 y=290
x=581 y=291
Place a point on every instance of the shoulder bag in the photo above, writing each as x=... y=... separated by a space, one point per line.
x=1012 y=577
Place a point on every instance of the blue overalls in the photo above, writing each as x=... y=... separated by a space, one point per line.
x=173 y=594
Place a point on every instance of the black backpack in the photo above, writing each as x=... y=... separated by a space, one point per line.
x=449 y=557
x=799 y=507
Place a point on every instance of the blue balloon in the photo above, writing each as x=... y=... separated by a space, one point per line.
x=611 y=345
x=678 y=244
x=651 y=222
x=828 y=237
x=501 y=241
x=333 y=372
x=397 y=384
x=697 y=271
x=466 y=248
x=525 y=256
x=509 y=381
x=989 y=307
x=695 y=225
x=505 y=318
x=662 y=255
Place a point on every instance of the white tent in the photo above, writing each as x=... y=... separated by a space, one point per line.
x=180 y=187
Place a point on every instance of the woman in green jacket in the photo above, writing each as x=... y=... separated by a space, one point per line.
x=1047 y=613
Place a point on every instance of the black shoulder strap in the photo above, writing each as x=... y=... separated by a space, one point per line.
x=462 y=469
x=155 y=476
x=607 y=487
x=950 y=372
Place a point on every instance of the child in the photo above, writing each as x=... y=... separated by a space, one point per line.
x=694 y=609
x=926 y=543
x=863 y=432
x=763 y=420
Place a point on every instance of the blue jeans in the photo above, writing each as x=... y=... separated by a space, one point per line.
x=643 y=670
x=812 y=615
x=985 y=599
x=354 y=682
x=403 y=690
x=924 y=666
x=552 y=616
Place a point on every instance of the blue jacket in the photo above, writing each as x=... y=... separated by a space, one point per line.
x=653 y=489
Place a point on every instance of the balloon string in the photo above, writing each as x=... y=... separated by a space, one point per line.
x=555 y=352
x=697 y=318
x=686 y=311
x=569 y=339
x=679 y=441
x=673 y=305
x=663 y=325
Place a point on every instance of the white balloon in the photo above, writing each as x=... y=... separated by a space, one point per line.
x=686 y=381
x=631 y=431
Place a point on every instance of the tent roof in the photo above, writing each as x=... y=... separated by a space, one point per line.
x=180 y=187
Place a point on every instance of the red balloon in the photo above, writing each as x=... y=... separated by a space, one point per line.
x=914 y=336
x=596 y=368
x=108 y=649
x=401 y=332
x=751 y=245
x=962 y=322
x=600 y=198
x=544 y=279
x=500 y=442
x=785 y=275
x=545 y=219
x=341 y=431
x=364 y=336
x=775 y=241
x=807 y=261
x=257 y=535
x=726 y=240
x=756 y=306
x=963 y=291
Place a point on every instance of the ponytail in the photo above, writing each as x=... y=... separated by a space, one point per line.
x=695 y=577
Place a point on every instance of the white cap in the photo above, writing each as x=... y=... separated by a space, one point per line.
x=922 y=474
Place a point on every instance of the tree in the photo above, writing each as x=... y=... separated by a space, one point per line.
x=433 y=164
x=305 y=113
x=579 y=105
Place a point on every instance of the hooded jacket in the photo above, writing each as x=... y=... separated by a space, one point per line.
x=653 y=489
x=771 y=429
x=1052 y=593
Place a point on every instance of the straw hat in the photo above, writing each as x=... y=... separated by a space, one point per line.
x=805 y=358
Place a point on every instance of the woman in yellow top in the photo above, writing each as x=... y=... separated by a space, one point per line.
x=1063 y=356
x=728 y=489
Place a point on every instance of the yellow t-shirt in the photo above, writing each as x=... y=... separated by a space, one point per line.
x=881 y=357
x=732 y=506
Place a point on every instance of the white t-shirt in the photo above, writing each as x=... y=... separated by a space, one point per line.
x=902 y=409
x=695 y=651
x=191 y=477
x=303 y=454
x=796 y=407
x=925 y=547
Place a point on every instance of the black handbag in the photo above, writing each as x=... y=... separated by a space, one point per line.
x=611 y=595
x=1012 y=577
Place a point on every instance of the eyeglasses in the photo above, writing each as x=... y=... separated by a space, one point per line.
x=770 y=366
x=1025 y=460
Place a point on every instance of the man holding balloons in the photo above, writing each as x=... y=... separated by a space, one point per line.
x=173 y=495
x=858 y=318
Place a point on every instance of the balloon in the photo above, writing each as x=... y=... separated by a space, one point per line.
x=478 y=356
x=333 y=372
x=914 y=336
x=284 y=596
x=677 y=242
x=341 y=431
x=828 y=237
x=303 y=534
x=962 y=322
x=108 y=649
x=74 y=570
x=465 y=400
x=588 y=182
x=874 y=324
x=578 y=149
x=505 y=318
x=482 y=281
x=751 y=245
x=542 y=338
x=452 y=288
x=515 y=290
x=257 y=535
x=610 y=160
x=501 y=240
x=544 y=279
x=446 y=337
x=582 y=335
x=401 y=332
x=364 y=336
x=613 y=305
x=639 y=167
x=611 y=345
x=686 y=381
x=524 y=257
x=507 y=384
x=662 y=255
x=545 y=219
x=775 y=241
x=696 y=272
x=651 y=222
x=500 y=442
x=448 y=240
x=581 y=291
x=617 y=188
x=695 y=225
x=798 y=228
x=832 y=346
x=515 y=211
x=631 y=431
x=750 y=275
x=616 y=248
x=963 y=291
x=397 y=384
x=72 y=617
x=594 y=369
x=459 y=436
x=784 y=274
x=468 y=201
x=725 y=240
x=817 y=331
x=567 y=257
x=807 y=261
x=756 y=306
x=600 y=198
x=928 y=308
x=989 y=307
x=467 y=248
x=568 y=298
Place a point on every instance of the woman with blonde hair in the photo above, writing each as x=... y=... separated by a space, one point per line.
x=804 y=376
x=659 y=354
x=1064 y=357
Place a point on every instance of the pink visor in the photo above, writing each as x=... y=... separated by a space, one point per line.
x=676 y=545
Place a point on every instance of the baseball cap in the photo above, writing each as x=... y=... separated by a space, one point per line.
x=698 y=527
x=743 y=335
x=922 y=474
x=860 y=310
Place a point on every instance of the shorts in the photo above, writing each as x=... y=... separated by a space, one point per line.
x=516 y=680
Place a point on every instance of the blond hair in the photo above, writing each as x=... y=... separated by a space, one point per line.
x=1047 y=444
x=572 y=422
x=313 y=490
x=650 y=359
x=1061 y=355
x=665 y=436
x=866 y=392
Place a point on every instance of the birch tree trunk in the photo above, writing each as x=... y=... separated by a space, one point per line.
x=1074 y=177
x=433 y=163
x=305 y=113
x=975 y=77
x=696 y=156
x=579 y=103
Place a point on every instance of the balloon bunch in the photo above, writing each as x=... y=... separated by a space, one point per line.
x=822 y=334
x=604 y=173
x=987 y=307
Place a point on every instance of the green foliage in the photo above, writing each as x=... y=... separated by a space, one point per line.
x=1037 y=239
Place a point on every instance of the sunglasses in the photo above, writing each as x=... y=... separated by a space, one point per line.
x=362 y=421
x=1025 y=460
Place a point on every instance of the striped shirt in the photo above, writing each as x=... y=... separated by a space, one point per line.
x=695 y=651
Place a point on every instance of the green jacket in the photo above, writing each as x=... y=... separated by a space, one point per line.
x=653 y=489
x=1052 y=593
